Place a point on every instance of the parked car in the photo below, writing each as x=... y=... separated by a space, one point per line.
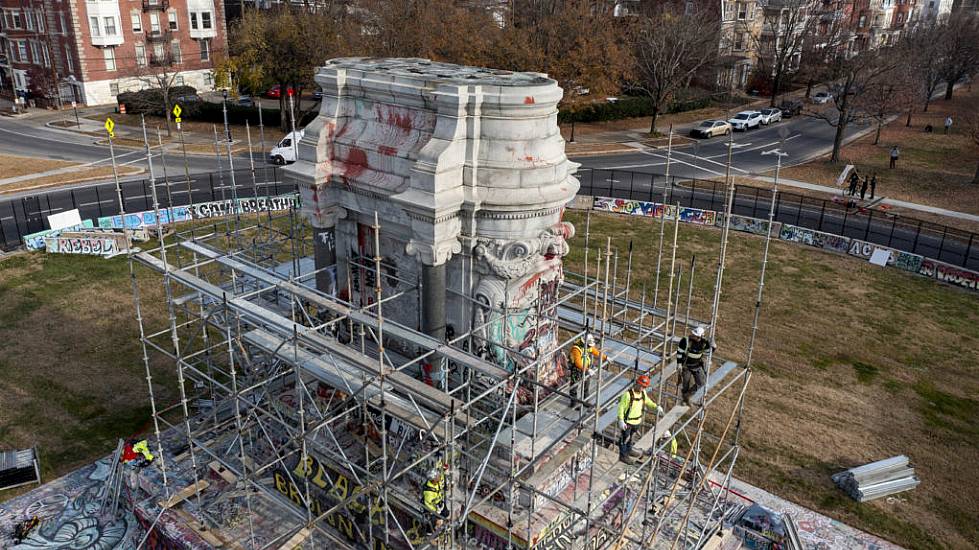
x=246 y=101
x=790 y=108
x=284 y=152
x=275 y=92
x=770 y=115
x=185 y=99
x=745 y=120
x=822 y=97
x=711 y=128
x=318 y=94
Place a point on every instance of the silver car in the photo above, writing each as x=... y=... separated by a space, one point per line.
x=771 y=115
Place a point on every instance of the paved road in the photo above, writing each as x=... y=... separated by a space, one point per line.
x=707 y=158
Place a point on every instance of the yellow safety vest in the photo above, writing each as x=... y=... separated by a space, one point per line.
x=631 y=406
x=144 y=449
x=433 y=496
x=584 y=355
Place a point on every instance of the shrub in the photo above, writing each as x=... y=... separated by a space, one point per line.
x=150 y=100
x=628 y=107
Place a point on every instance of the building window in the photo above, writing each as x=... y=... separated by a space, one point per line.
x=137 y=21
x=140 y=55
x=110 y=59
x=179 y=80
x=863 y=21
x=35 y=53
x=154 y=23
x=47 y=55
x=205 y=20
x=40 y=21
x=193 y=20
x=64 y=25
x=71 y=65
x=22 y=51
x=739 y=42
x=158 y=52
x=172 y=19
x=205 y=50
x=900 y=18
x=93 y=23
x=175 y=51
x=113 y=88
x=742 y=11
x=29 y=19
x=110 y=26
x=208 y=79
x=15 y=20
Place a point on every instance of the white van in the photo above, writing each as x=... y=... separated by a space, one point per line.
x=284 y=152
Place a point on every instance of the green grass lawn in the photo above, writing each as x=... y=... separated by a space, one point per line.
x=853 y=363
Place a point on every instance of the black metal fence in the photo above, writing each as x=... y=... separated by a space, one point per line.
x=28 y=214
x=936 y=241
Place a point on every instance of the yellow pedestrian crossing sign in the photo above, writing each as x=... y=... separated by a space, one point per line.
x=177 y=110
x=109 y=126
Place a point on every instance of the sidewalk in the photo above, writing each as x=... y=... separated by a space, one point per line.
x=890 y=202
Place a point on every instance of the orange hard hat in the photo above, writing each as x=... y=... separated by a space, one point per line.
x=643 y=381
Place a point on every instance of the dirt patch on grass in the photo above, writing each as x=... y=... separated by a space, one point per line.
x=13 y=166
x=933 y=169
x=853 y=363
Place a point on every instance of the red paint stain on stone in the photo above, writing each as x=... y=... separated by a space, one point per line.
x=529 y=100
x=356 y=163
x=529 y=158
x=387 y=150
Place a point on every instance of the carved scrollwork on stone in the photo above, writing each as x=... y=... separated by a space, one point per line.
x=514 y=259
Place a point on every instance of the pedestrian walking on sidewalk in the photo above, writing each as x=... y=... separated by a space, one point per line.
x=948 y=124
x=863 y=188
x=895 y=153
x=873 y=186
x=854 y=180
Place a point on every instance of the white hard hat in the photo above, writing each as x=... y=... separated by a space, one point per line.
x=698 y=332
x=434 y=473
x=666 y=435
x=589 y=339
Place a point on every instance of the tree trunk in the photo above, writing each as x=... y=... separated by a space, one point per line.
x=975 y=179
x=838 y=139
x=167 y=107
x=910 y=111
x=880 y=123
x=572 y=128
x=652 y=122
x=927 y=102
x=949 y=88
x=775 y=86
x=809 y=88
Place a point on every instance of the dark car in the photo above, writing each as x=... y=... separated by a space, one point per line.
x=318 y=94
x=791 y=108
x=187 y=99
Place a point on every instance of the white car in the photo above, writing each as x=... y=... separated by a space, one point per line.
x=771 y=115
x=745 y=120
x=822 y=97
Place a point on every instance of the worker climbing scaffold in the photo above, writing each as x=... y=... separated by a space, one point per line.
x=690 y=357
x=583 y=354
x=632 y=408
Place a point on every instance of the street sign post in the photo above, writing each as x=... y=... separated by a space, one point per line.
x=176 y=114
x=109 y=126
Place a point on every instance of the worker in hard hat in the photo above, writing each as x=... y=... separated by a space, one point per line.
x=690 y=358
x=134 y=450
x=433 y=497
x=583 y=354
x=632 y=407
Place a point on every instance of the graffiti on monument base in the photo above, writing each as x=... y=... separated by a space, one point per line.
x=655 y=210
x=329 y=487
x=950 y=274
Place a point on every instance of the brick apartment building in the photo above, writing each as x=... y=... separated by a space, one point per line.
x=91 y=50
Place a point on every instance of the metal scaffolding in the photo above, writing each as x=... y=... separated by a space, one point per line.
x=303 y=420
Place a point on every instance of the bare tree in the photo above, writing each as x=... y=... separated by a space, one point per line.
x=856 y=77
x=921 y=48
x=883 y=98
x=670 y=48
x=959 y=50
x=159 y=69
x=787 y=26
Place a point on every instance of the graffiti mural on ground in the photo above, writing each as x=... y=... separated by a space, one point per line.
x=69 y=512
x=654 y=210
x=950 y=274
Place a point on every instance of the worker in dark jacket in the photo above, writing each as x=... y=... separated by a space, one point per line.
x=690 y=358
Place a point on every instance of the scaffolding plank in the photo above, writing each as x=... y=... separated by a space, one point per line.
x=676 y=413
x=342 y=376
x=184 y=494
x=296 y=540
x=391 y=329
